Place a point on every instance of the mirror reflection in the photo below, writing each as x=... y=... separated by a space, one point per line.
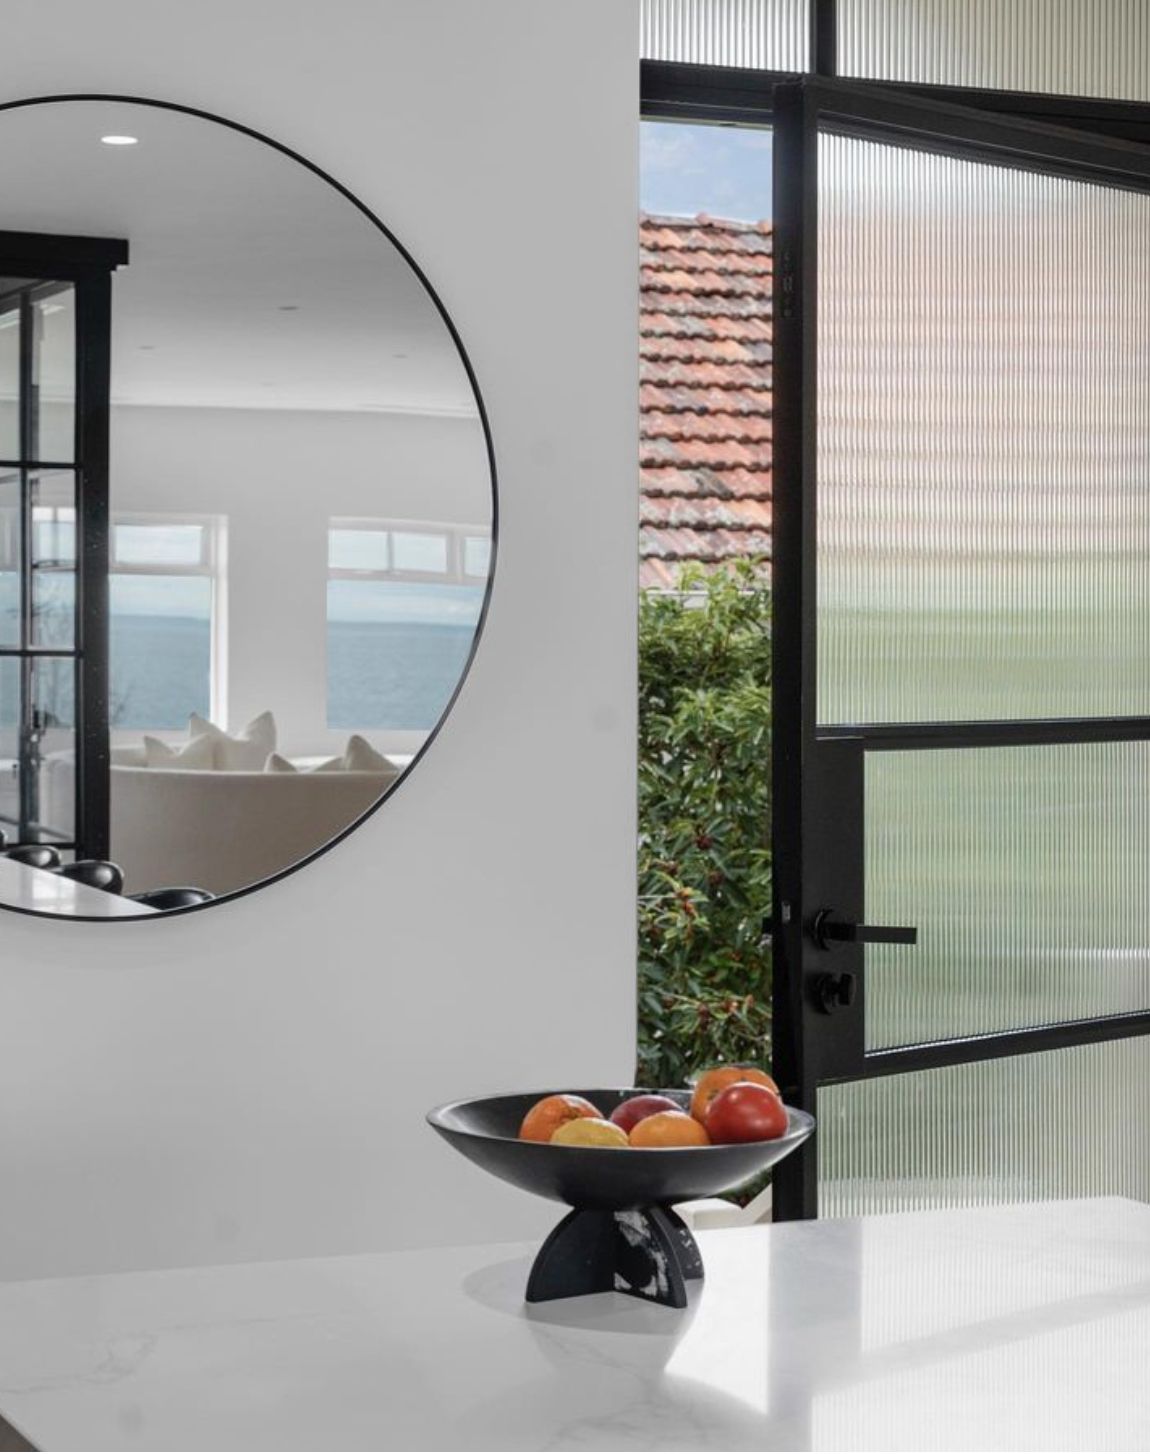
x=246 y=508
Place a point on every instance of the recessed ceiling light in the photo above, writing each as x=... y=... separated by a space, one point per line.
x=119 y=140
x=289 y=307
x=399 y=355
x=147 y=347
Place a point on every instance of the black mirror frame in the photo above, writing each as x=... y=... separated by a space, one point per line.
x=465 y=672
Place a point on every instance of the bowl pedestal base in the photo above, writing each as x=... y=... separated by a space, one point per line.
x=648 y=1254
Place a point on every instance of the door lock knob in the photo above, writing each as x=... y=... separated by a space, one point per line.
x=835 y=992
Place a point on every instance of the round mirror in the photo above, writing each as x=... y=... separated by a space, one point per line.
x=246 y=510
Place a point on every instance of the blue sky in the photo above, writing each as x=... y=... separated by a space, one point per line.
x=722 y=170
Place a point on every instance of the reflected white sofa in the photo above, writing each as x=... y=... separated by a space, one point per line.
x=225 y=830
x=216 y=830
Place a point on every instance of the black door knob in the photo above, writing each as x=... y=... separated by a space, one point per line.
x=835 y=992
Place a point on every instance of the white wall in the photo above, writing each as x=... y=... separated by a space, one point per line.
x=249 y=1082
x=279 y=476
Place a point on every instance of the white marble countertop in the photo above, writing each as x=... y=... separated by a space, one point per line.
x=23 y=887
x=1002 y=1329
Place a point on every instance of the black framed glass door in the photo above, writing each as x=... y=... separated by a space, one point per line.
x=55 y=297
x=962 y=679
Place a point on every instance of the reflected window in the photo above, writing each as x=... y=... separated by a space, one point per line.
x=403 y=602
x=164 y=596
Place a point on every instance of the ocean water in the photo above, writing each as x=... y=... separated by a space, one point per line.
x=380 y=674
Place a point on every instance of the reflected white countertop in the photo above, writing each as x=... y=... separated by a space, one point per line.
x=1010 y=1328
x=22 y=887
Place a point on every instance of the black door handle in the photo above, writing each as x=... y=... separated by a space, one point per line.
x=827 y=931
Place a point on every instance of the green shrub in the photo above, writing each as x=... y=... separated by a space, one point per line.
x=704 y=824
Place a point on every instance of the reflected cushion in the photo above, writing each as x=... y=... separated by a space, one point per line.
x=358 y=756
x=245 y=751
x=276 y=763
x=198 y=755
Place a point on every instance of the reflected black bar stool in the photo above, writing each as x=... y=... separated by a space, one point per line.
x=35 y=855
x=96 y=873
x=3 y=839
x=172 y=898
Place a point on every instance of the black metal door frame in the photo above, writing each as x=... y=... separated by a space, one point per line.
x=86 y=264
x=817 y=774
x=820 y=987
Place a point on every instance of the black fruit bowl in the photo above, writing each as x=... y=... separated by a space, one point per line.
x=622 y=1234
x=605 y=1178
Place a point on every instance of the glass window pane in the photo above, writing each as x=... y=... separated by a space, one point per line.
x=1074 y=47
x=9 y=746
x=161 y=650
x=1060 y=1123
x=358 y=550
x=395 y=650
x=54 y=375
x=9 y=380
x=1025 y=870
x=53 y=753
x=53 y=559
x=767 y=34
x=477 y=556
x=984 y=425
x=11 y=530
x=415 y=551
x=159 y=544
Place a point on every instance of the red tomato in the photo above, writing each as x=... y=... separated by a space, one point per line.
x=745 y=1112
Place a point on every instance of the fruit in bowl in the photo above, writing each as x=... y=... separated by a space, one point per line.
x=588 y=1131
x=546 y=1116
x=669 y=1128
x=638 y=1108
x=711 y=1082
x=730 y=1105
x=745 y=1111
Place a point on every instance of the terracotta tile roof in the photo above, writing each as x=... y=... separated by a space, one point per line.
x=704 y=393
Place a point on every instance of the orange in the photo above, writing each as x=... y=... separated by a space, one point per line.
x=711 y=1082
x=588 y=1131
x=545 y=1116
x=669 y=1128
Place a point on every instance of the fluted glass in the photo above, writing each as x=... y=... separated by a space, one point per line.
x=764 y=34
x=1025 y=870
x=1072 y=47
x=1061 y=1123
x=984 y=432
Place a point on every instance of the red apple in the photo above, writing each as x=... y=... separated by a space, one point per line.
x=745 y=1112
x=638 y=1108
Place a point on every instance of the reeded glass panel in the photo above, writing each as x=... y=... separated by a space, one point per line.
x=1026 y=872
x=984 y=430
x=1074 y=47
x=54 y=376
x=11 y=529
x=767 y=34
x=1061 y=1123
x=53 y=559
x=9 y=380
